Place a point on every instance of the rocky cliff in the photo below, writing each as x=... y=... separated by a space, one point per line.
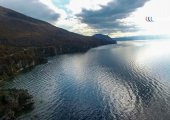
x=14 y=60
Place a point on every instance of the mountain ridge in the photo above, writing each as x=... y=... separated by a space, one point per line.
x=21 y=30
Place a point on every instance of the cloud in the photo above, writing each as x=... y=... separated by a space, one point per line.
x=88 y=17
x=33 y=8
x=110 y=17
x=76 y=6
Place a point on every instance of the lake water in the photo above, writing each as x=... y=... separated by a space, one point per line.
x=128 y=81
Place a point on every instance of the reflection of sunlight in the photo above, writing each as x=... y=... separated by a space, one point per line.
x=76 y=70
x=119 y=95
x=154 y=50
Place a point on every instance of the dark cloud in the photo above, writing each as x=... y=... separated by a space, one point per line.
x=32 y=8
x=107 y=18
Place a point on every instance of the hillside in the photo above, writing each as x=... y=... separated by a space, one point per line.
x=26 y=42
x=20 y=30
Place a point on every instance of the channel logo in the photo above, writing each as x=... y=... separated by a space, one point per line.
x=149 y=19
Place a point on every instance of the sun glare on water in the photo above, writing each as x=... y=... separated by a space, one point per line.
x=154 y=50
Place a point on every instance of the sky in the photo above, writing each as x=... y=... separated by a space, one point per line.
x=116 y=18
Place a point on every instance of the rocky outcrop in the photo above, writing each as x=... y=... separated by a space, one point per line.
x=14 y=102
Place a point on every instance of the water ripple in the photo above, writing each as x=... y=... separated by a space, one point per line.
x=107 y=83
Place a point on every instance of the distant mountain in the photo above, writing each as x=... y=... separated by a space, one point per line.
x=104 y=38
x=142 y=37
